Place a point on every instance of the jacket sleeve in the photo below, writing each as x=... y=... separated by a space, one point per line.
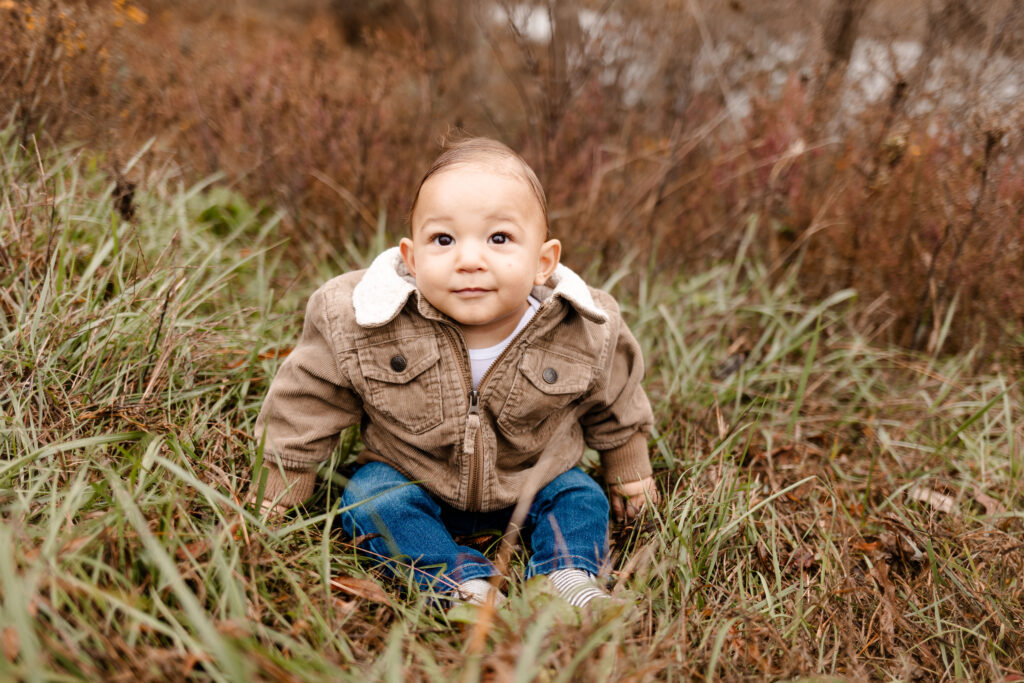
x=309 y=403
x=619 y=421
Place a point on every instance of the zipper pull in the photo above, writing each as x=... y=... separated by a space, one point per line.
x=472 y=423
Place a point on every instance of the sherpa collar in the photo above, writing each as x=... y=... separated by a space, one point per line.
x=387 y=284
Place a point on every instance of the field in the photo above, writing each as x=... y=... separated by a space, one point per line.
x=826 y=288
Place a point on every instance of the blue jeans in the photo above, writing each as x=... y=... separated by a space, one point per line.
x=567 y=525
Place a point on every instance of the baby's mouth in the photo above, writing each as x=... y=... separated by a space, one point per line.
x=471 y=291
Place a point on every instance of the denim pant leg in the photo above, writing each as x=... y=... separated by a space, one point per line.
x=380 y=500
x=569 y=518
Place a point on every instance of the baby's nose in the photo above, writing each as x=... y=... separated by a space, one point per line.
x=470 y=255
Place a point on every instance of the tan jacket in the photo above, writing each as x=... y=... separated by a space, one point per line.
x=374 y=352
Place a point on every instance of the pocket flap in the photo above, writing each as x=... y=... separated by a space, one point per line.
x=553 y=373
x=398 y=362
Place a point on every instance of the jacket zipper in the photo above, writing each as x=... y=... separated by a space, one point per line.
x=471 y=437
x=472 y=432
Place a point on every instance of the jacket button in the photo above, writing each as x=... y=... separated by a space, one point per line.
x=398 y=363
x=550 y=375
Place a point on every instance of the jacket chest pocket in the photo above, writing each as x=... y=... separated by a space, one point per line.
x=403 y=382
x=547 y=382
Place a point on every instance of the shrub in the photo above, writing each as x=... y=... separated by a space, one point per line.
x=880 y=155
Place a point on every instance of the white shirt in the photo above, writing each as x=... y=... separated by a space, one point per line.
x=480 y=360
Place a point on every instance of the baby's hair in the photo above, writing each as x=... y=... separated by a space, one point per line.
x=476 y=149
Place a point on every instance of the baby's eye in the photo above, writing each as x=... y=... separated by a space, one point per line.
x=442 y=240
x=500 y=238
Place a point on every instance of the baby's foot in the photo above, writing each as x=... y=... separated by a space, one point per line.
x=577 y=586
x=476 y=592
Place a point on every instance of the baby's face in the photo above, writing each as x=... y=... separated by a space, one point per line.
x=478 y=248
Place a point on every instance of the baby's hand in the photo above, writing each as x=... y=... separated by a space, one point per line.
x=270 y=512
x=629 y=499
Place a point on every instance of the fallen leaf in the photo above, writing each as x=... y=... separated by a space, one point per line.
x=233 y=628
x=939 y=501
x=991 y=505
x=361 y=588
x=194 y=550
x=887 y=616
x=763 y=556
x=197 y=549
x=802 y=558
x=900 y=546
x=192 y=661
x=902 y=542
x=10 y=643
x=868 y=547
x=728 y=367
x=345 y=606
x=735 y=355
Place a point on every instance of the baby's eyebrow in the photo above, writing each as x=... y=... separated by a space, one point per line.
x=502 y=217
x=436 y=219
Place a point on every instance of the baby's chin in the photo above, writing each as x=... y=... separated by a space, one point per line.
x=470 y=322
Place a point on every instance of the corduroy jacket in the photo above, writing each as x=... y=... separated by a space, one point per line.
x=375 y=352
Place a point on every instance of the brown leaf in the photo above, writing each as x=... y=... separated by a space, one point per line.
x=196 y=549
x=192 y=661
x=728 y=367
x=763 y=555
x=991 y=505
x=901 y=541
x=359 y=540
x=900 y=546
x=234 y=628
x=361 y=588
x=735 y=355
x=802 y=558
x=887 y=618
x=868 y=547
x=10 y=643
x=345 y=606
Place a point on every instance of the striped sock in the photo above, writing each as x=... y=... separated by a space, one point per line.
x=576 y=586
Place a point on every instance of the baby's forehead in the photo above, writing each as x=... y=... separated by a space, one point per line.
x=503 y=166
x=516 y=185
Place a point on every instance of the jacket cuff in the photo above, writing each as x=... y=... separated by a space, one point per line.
x=295 y=485
x=629 y=462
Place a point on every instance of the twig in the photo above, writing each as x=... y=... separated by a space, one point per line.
x=485 y=616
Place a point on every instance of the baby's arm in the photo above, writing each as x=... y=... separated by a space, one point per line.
x=308 y=405
x=619 y=421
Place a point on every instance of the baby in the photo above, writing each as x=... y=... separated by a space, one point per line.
x=479 y=369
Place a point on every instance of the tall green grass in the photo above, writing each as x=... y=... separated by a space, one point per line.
x=830 y=507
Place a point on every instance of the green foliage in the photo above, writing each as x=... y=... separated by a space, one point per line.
x=830 y=507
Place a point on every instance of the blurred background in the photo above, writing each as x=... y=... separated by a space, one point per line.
x=871 y=144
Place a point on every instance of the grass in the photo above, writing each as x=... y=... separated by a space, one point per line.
x=831 y=507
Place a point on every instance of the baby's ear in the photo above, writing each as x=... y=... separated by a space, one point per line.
x=550 y=253
x=405 y=249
